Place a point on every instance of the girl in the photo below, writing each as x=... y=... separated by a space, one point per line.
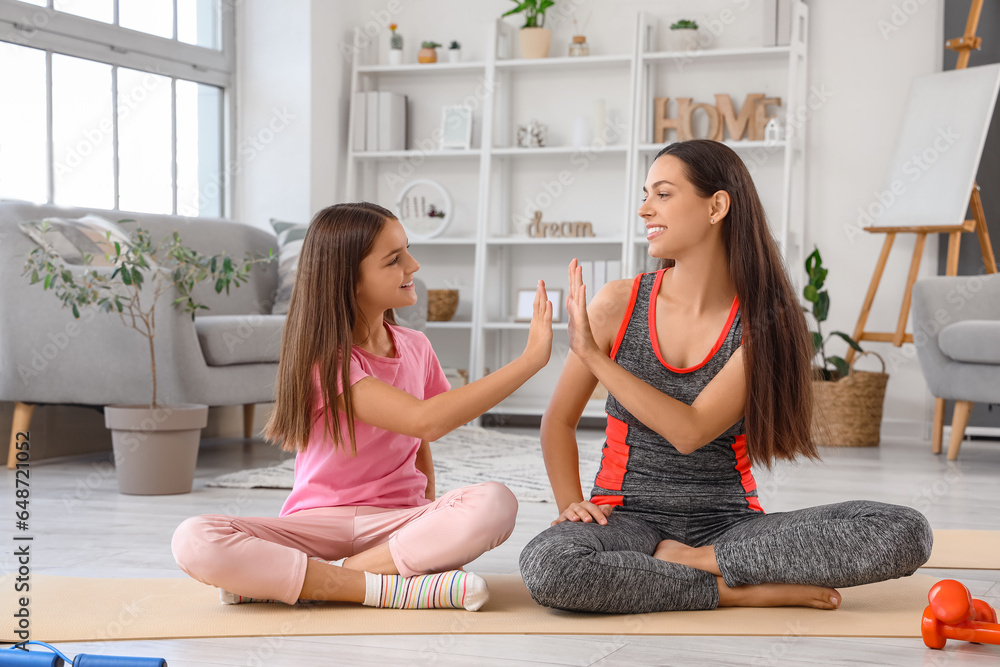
x=707 y=362
x=364 y=480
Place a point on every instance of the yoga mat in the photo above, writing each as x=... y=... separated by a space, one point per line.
x=91 y=609
x=966 y=549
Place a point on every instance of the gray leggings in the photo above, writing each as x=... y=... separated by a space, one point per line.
x=610 y=569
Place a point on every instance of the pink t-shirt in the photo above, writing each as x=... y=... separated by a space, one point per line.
x=384 y=473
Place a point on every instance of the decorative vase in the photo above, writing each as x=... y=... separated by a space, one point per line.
x=684 y=39
x=454 y=55
x=535 y=42
x=395 y=56
x=156 y=449
x=427 y=56
x=441 y=304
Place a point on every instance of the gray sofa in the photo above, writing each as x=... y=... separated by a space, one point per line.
x=956 y=330
x=226 y=356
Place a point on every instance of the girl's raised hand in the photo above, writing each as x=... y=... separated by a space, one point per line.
x=581 y=337
x=539 y=346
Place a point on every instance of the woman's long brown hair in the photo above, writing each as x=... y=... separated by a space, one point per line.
x=777 y=347
x=320 y=324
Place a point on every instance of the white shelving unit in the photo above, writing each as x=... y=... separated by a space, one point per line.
x=485 y=252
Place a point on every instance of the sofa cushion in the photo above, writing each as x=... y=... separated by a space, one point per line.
x=227 y=340
x=290 y=236
x=74 y=239
x=972 y=341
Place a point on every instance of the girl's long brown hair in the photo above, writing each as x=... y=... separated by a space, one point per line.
x=320 y=324
x=777 y=347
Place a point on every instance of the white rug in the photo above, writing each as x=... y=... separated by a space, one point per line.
x=468 y=455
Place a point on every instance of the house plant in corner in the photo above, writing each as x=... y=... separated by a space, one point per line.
x=155 y=445
x=847 y=404
x=534 y=37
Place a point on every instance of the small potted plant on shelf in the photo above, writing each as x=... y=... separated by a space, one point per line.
x=395 y=46
x=535 y=39
x=155 y=445
x=454 y=51
x=847 y=404
x=428 y=52
x=684 y=35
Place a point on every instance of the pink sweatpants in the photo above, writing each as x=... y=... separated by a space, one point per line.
x=265 y=557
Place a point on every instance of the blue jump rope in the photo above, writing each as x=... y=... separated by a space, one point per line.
x=15 y=657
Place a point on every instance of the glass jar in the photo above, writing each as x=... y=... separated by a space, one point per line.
x=579 y=46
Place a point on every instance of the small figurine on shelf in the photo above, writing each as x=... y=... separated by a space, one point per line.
x=428 y=53
x=395 y=46
x=532 y=135
x=454 y=51
x=579 y=45
x=432 y=212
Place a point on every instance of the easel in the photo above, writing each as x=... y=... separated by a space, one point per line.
x=963 y=45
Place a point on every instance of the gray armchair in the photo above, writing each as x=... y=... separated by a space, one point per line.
x=956 y=329
x=228 y=356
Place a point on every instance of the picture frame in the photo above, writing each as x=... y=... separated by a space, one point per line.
x=456 y=126
x=525 y=304
x=424 y=208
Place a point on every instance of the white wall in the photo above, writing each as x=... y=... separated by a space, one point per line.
x=290 y=57
x=291 y=118
x=867 y=70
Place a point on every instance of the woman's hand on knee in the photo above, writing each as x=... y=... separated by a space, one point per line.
x=585 y=511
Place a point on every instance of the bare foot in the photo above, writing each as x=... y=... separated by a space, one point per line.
x=700 y=558
x=778 y=595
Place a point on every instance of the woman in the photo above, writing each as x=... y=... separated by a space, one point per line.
x=707 y=362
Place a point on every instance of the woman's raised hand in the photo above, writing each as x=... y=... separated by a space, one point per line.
x=585 y=511
x=581 y=337
x=539 y=346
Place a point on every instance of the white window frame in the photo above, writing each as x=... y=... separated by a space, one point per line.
x=53 y=31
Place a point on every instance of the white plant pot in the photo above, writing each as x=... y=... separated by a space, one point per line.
x=685 y=39
x=156 y=450
x=535 y=42
x=454 y=55
x=395 y=56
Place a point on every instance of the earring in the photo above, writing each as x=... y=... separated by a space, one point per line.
x=711 y=221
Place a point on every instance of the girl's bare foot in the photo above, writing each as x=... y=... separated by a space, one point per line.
x=700 y=558
x=778 y=595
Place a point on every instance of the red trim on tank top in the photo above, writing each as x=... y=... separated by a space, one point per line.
x=746 y=473
x=655 y=341
x=628 y=315
x=616 y=501
x=614 y=463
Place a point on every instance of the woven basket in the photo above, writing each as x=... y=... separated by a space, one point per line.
x=848 y=412
x=441 y=304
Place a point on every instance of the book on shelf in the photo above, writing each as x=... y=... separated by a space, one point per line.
x=360 y=119
x=371 y=120
x=391 y=121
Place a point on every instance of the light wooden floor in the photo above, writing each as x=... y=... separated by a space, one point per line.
x=84 y=527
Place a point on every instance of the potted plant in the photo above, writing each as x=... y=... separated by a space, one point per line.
x=395 y=46
x=155 y=445
x=847 y=404
x=454 y=51
x=684 y=35
x=535 y=39
x=428 y=53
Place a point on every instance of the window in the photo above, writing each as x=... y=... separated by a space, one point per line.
x=121 y=104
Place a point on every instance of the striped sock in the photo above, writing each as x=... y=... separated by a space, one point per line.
x=225 y=597
x=454 y=589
